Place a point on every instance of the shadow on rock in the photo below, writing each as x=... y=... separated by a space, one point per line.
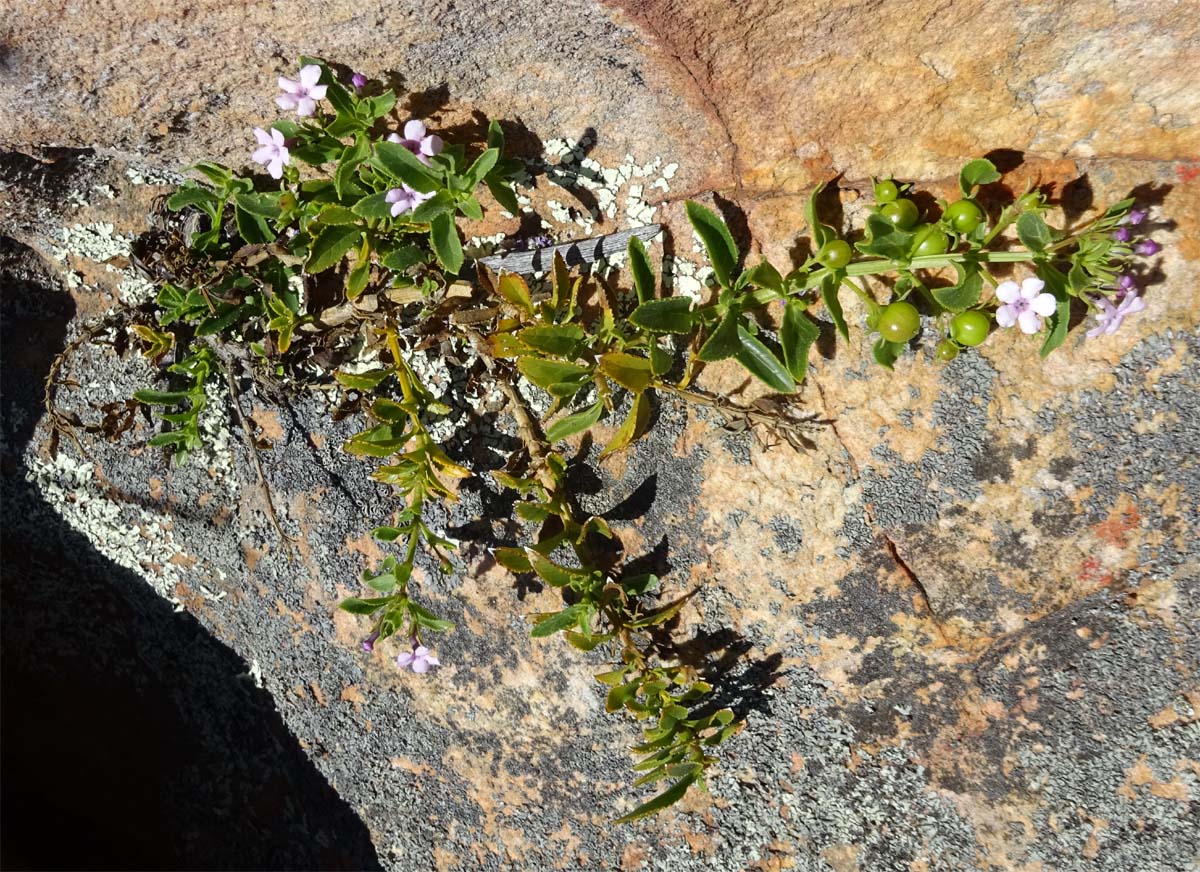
x=133 y=739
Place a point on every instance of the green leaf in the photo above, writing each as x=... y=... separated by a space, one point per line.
x=505 y=196
x=627 y=370
x=660 y=359
x=978 y=172
x=639 y=585
x=635 y=423
x=766 y=276
x=373 y=206
x=670 y=796
x=262 y=205
x=337 y=215
x=1119 y=208
x=884 y=240
x=218 y=174
x=363 y=381
x=403 y=257
x=619 y=695
x=763 y=364
x=545 y=373
x=330 y=246
x=886 y=352
x=482 y=166
x=1033 y=232
x=227 y=315
x=513 y=559
x=554 y=574
x=1056 y=284
x=829 y=294
x=428 y=619
x=718 y=242
x=820 y=234
x=561 y=340
x=512 y=287
x=639 y=265
x=402 y=164
x=558 y=621
x=353 y=156
x=441 y=203
x=252 y=228
x=190 y=195
x=444 y=237
x=963 y=295
x=587 y=643
x=672 y=315
x=356 y=606
x=471 y=209
x=797 y=333
x=724 y=341
x=575 y=423
x=161 y=398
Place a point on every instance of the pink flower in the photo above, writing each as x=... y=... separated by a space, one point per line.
x=271 y=152
x=1110 y=317
x=415 y=140
x=301 y=94
x=1026 y=305
x=419 y=660
x=405 y=199
x=368 y=644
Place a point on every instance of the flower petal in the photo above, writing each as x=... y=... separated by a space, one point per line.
x=1044 y=304
x=277 y=137
x=414 y=130
x=317 y=92
x=264 y=155
x=262 y=136
x=306 y=107
x=404 y=660
x=420 y=665
x=431 y=144
x=1029 y=321
x=275 y=167
x=1031 y=287
x=433 y=661
x=310 y=75
x=1006 y=316
x=289 y=86
x=286 y=102
x=1132 y=303
x=394 y=137
x=1006 y=292
x=421 y=651
x=393 y=195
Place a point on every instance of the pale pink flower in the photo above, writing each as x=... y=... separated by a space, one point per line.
x=424 y=145
x=1026 y=305
x=1110 y=317
x=418 y=660
x=271 y=152
x=405 y=199
x=301 y=94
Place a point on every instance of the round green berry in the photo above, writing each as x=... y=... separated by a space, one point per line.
x=970 y=328
x=946 y=350
x=834 y=254
x=899 y=322
x=964 y=216
x=886 y=191
x=930 y=239
x=902 y=213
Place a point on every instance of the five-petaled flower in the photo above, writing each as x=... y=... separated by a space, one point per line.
x=1109 y=318
x=424 y=145
x=405 y=199
x=1026 y=305
x=271 y=152
x=419 y=659
x=303 y=93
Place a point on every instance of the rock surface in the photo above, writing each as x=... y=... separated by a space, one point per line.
x=965 y=629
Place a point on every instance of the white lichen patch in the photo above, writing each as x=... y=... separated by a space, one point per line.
x=152 y=176
x=143 y=544
x=217 y=453
x=96 y=242
x=135 y=289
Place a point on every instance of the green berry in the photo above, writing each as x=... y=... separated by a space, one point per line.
x=930 y=239
x=946 y=350
x=899 y=322
x=970 y=328
x=902 y=213
x=964 y=216
x=886 y=191
x=834 y=254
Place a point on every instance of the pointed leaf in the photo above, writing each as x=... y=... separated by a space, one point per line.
x=829 y=294
x=639 y=265
x=670 y=796
x=512 y=287
x=797 y=333
x=576 y=423
x=724 y=341
x=627 y=370
x=672 y=315
x=718 y=241
x=763 y=364
x=402 y=164
x=330 y=246
x=443 y=235
x=634 y=425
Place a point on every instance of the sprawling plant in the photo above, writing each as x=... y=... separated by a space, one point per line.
x=348 y=249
